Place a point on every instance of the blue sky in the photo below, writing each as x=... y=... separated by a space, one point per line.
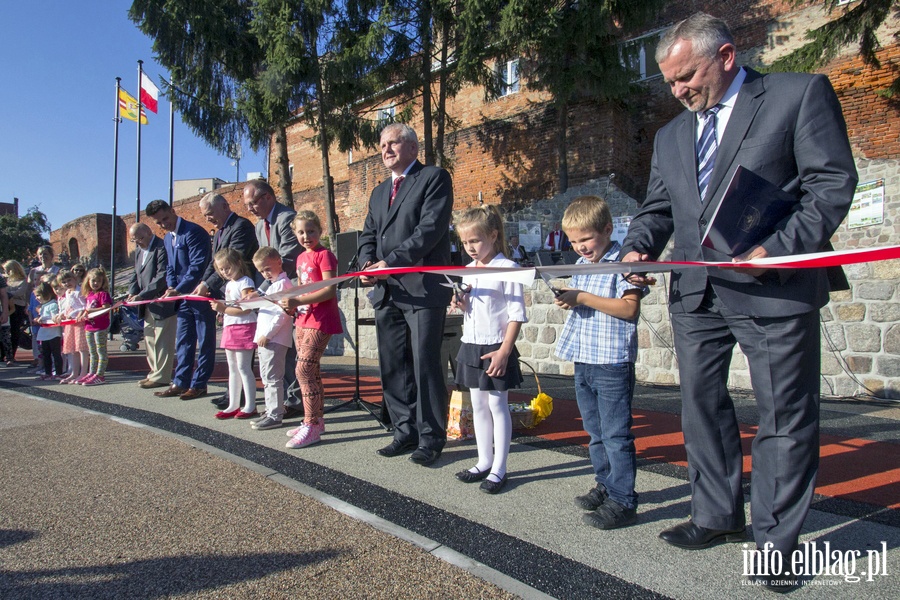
x=58 y=64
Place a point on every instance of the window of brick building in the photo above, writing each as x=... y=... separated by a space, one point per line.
x=508 y=77
x=386 y=115
x=639 y=55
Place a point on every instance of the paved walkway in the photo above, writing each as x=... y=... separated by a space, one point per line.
x=109 y=492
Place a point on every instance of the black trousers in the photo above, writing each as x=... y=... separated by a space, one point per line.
x=51 y=351
x=412 y=376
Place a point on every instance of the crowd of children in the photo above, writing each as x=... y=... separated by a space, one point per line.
x=599 y=337
x=63 y=313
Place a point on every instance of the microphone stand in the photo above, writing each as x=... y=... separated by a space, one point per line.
x=357 y=400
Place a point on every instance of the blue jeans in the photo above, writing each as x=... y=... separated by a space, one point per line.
x=604 y=395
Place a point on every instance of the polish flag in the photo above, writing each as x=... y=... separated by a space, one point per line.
x=149 y=93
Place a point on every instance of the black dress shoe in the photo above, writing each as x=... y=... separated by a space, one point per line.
x=425 y=456
x=690 y=536
x=470 y=477
x=292 y=412
x=493 y=487
x=396 y=448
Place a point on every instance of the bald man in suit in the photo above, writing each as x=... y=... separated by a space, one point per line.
x=147 y=283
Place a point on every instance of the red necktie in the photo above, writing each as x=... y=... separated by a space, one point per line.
x=268 y=232
x=396 y=187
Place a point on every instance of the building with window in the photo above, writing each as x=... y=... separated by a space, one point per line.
x=503 y=151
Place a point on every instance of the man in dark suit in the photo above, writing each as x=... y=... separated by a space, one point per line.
x=789 y=129
x=147 y=283
x=232 y=231
x=408 y=224
x=274 y=229
x=189 y=251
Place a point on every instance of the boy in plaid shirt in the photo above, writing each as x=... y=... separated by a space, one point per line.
x=600 y=337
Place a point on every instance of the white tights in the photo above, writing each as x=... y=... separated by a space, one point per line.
x=493 y=431
x=240 y=375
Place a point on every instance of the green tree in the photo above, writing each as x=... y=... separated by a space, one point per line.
x=573 y=50
x=215 y=58
x=429 y=40
x=20 y=237
x=857 y=23
x=318 y=57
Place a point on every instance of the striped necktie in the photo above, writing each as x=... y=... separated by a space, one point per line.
x=706 y=150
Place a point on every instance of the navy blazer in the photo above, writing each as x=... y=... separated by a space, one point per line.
x=414 y=230
x=188 y=257
x=789 y=129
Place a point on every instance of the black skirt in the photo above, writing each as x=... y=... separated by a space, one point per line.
x=470 y=369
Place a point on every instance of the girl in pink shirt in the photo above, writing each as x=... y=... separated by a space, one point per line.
x=96 y=326
x=317 y=320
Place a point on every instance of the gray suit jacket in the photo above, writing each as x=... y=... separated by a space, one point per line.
x=149 y=280
x=413 y=231
x=787 y=128
x=282 y=237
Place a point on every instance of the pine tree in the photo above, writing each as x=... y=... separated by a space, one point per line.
x=857 y=23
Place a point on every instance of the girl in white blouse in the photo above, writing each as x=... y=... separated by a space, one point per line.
x=488 y=363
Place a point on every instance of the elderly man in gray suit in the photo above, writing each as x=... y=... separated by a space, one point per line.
x=274 y=229
x=788 y=128
x=147 y=283
x=408 y=224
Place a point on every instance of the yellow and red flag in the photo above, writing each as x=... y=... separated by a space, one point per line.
x=128 y=107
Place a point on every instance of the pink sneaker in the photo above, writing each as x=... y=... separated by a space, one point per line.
x=309 y=434
x=82 y=379
x=296 y=430
x=96 y=380
x=87 y=379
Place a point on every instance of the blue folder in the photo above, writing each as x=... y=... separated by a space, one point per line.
x=750 y=210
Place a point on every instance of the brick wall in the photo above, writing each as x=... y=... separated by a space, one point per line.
x=505 y=150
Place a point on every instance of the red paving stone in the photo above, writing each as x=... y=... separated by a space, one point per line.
x=850 y=468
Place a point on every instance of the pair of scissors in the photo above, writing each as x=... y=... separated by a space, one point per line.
x=458 y=287
x=556 y=291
